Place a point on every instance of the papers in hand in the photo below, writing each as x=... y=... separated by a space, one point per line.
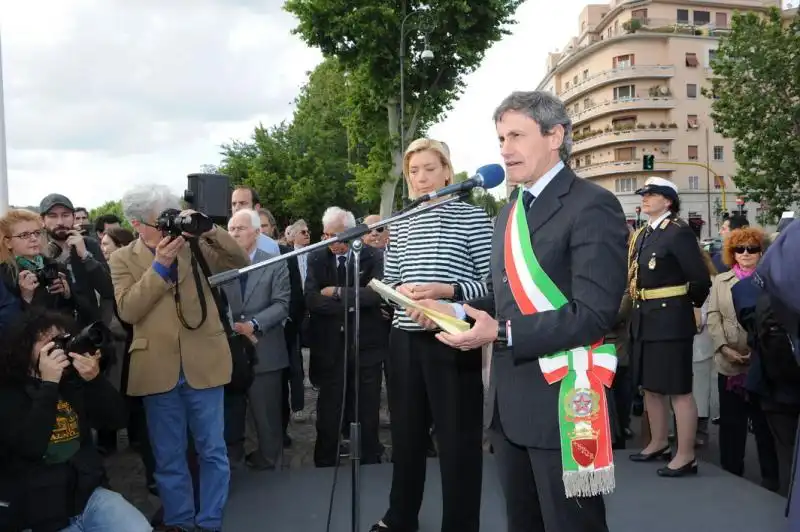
x=446 y=323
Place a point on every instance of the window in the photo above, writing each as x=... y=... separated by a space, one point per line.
x=587 y=103
x=625 y=184
x=624 y=92
x=691 y=60
x=711 y=55
x=719 y=181
x=625 y=154
x=694 y=182
x=692 y=153
x=623 y=122
x=640 y=14
x=585 y=75
x=566 y=86
x=719 y=153
x=683 y=16
x=623 y=61
x=691 y=121
x=587 y=160
x=721 y=20
x=691 y=90
x=575 y=80
x=701 y=18
x=577 y=108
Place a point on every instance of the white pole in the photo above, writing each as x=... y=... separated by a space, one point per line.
x=3 y=159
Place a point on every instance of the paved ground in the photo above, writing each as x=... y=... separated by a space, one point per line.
x=126 y=471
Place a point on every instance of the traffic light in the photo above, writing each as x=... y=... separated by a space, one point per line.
x=648 y=162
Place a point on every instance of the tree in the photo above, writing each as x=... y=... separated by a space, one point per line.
x=481 y=198
x=110 y=207
x=301 y=168
x=756 y=102
x=363 y=40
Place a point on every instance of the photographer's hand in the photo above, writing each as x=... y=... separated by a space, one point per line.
x=52 y=363
x=168 y=249
x=28 y=283
x=60 y=286
x=187 y=212
x=87 y=366
x=76 y=240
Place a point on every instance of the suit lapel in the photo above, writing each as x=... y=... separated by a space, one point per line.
x=655 y=236
x=142 y=255
x=254 y=277
x=549 y=201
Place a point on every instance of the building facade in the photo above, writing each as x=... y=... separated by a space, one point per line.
x=632 y=82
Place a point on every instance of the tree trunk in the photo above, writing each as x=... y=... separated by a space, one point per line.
x=389 y=186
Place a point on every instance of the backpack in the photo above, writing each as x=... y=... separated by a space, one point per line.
x=774 y=346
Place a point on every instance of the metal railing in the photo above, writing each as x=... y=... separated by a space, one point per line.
x=615 y=74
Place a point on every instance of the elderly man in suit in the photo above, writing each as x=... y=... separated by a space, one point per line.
x=557 y=278
x=259 y=306
x=180 y=359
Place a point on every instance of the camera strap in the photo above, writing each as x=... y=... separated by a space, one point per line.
x=220 y=300
x=198 y=286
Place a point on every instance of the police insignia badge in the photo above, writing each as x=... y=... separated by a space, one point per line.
x=652 y=264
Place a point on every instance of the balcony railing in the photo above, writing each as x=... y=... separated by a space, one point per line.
x=596 y=139
x=616 y=167
x=663 y=25
x=616 y=74
x=622 y=104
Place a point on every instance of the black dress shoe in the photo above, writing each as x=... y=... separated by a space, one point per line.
x=688 y=469
x=661 y=454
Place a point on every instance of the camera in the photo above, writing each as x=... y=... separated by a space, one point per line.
x=47 y=274
x=87 y=341
x=170 y=222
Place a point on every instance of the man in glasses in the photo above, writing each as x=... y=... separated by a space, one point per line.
x=377 y=238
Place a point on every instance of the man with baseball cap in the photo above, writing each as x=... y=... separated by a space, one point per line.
x=668 y=278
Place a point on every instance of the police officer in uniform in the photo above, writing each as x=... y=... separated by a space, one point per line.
x=668 y=278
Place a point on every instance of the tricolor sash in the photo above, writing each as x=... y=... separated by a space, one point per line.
x=586 y=452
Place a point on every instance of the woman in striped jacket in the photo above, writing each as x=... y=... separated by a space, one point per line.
x=441 y=254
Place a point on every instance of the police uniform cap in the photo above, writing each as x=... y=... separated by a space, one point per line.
x=660 y=186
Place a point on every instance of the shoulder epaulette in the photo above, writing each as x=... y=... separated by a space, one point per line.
x=680 y=222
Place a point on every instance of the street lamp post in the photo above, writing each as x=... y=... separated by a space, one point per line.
x=4 y=198
x=427 y=55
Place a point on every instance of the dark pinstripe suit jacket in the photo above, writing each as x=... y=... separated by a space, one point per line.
x=579 y=235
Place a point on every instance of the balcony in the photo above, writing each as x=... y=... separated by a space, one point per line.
x=624 y=104
x=617 y=74
x=664 y=25
x=595 y=139
x=617 y=167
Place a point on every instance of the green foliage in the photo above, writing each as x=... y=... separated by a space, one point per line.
x=481 y=198
x=756 y=91
x=366 y=41
x=110 y=207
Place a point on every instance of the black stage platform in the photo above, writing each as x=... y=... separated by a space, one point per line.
x=297 y=501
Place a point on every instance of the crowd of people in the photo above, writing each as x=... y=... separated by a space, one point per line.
x=107 y=328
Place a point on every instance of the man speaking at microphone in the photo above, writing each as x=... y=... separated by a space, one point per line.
x=557 y=278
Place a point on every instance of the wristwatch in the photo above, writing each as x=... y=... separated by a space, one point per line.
x=503 y=330
x=256 y=326
x=458 y=293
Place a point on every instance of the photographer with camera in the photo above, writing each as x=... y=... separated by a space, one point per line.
x=33 y=278
x=51 y=396
x=180 y=358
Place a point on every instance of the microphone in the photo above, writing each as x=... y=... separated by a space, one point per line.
x=488 y=176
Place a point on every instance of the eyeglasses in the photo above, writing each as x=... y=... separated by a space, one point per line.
x=28 y=234
x=379 y=229
x=752 y=250
x=303 y=231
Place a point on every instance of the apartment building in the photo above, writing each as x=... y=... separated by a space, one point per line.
x=632 y=82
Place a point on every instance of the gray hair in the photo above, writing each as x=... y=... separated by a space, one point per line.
x=333 y=214
x=252 y=216
x=545 y=109
x=144 y=202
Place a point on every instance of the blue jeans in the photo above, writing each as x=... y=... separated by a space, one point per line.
x=168 y=416
x=108 y=511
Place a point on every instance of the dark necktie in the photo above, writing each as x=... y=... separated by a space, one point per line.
x=243 y=283
x=341 y=271
x=527 y=199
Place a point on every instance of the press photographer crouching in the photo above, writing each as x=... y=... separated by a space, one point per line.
x=51 y=395
x=180 y=358
x=33 y=278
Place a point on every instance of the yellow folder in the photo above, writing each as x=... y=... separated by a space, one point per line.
x=447 y=323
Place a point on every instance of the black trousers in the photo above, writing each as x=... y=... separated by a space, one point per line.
x=329 y=413
x=783 y=426
x=431 y=379
x=735 y=411
x=534 y=490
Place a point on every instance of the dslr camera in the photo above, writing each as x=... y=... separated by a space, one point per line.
x=170 y=222
x=47 y=274
x=87 y=341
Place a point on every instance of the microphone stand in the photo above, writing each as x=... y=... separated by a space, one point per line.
x=353 y=236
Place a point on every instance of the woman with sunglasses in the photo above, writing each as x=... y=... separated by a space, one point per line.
x=734 y=292
x=31 y=276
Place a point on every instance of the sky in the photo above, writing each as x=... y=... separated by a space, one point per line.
x=104 y=94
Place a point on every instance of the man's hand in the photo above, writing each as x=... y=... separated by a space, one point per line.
x=244 y=328
x=60 y=286
x=328 y=291
x=75 y=239
x=52 y=363
x=484 y=332
x=168 y=249
x=87 y=366
x=187 y=212
x=425 y=322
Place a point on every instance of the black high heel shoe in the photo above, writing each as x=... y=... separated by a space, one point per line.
x=661 y=454
x=687 y=469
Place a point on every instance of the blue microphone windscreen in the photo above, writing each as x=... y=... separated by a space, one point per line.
x=493 y=175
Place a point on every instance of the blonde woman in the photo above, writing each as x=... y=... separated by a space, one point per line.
x=442 y=254
x=36 y=280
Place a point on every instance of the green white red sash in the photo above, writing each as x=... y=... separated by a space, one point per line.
x=586 y=452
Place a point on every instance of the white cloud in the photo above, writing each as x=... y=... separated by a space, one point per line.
x=101 y=94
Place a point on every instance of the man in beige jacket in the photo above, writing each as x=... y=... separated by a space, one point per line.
x=180 y=360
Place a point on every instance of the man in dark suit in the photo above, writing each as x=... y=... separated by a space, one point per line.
x=325 y=298
x=577 y=233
